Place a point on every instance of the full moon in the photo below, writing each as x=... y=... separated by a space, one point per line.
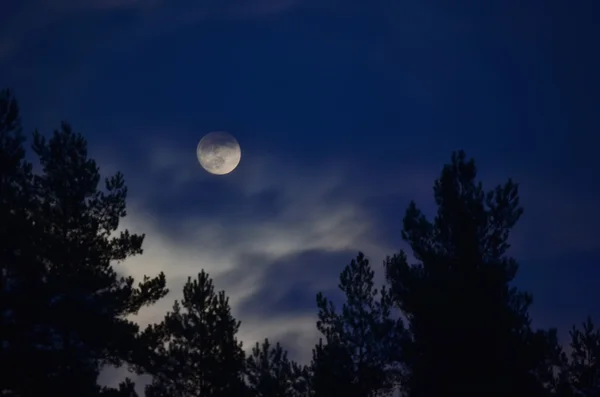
x=219 y=152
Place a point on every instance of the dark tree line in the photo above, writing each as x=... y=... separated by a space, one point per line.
x=449 y=324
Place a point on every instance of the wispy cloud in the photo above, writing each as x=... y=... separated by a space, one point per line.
x=299 y=246
x=240 y=245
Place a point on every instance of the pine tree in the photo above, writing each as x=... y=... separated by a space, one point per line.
x=580 y=376
x=15 y=226
x=65 y=307
x=270 y=373
x=197 y=351
x=332 y=370
x=126 y=389
x=361 y=353
x=470 y=331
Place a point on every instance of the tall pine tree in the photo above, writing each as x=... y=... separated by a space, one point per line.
x=197 y=351
x=17 y=262
x=361 y=354
x=64 y=307
x=580 y=375
x=470 y=331
x=270 y=373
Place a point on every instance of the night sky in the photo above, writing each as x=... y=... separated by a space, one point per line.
x=345 y=111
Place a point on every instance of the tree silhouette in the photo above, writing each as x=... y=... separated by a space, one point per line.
x=332 y=371
x=270 y=373
x=16 y=197
x=362 y=350
x=64 y=306
x=197 y=351
x=470 y=330
x=126 y=389
x=580 y=376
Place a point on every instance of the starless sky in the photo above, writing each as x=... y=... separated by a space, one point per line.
x=345 y=110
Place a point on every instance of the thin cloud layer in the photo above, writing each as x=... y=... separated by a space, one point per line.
x=242 y=249
x=292 y=252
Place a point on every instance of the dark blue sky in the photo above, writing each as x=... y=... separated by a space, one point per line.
x=345 y=110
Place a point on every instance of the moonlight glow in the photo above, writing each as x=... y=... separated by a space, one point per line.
x=219 y=152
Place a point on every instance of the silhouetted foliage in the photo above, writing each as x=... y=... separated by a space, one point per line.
x=197 y=351
x=361 y=355
x=332 y=370
x=580 y=375
x=470 y=330
x=126 y=389
x=15 y=225
x=270 y=373
x=64 y=307
x=15 y=199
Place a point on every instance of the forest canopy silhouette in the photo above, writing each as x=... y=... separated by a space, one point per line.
x=450 y=324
